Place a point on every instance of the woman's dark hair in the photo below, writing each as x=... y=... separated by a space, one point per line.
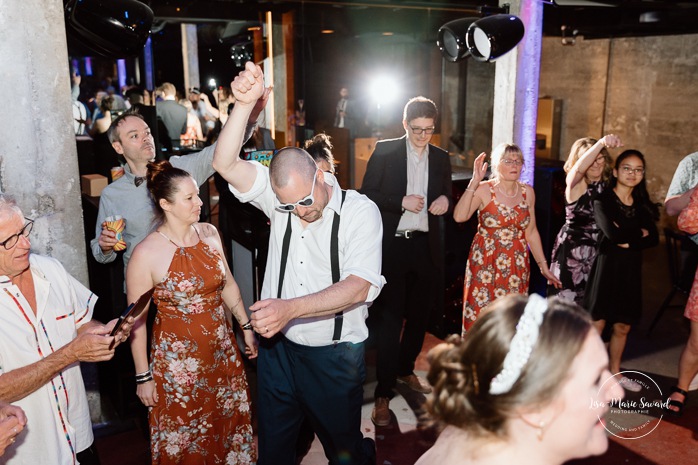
x=106 y=104
x=640 y=195
x=462 y=369
x=420 y=107
x=162 y=180
x=320 y=148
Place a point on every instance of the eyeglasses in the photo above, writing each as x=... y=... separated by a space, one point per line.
x=600 y=161
x=304 y=202
x=12 y=240
x=628 y=169
x=512 y=162
x=418 y=131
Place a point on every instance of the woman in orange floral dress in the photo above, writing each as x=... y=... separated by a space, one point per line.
x=498 y=262
x=195 y=387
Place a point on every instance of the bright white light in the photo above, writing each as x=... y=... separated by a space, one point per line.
x=383 y=90
x=212 y=83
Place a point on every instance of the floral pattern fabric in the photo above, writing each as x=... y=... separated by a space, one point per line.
x=203 y=410
x=576 y=246
x=498 y=262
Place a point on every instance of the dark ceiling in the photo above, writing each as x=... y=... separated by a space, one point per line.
x=588 y=18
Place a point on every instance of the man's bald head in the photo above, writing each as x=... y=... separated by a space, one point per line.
x=291 y=161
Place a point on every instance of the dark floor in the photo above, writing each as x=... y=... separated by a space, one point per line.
x=673 y=442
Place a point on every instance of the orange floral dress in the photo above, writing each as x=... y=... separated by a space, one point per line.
x=498 y=262
x=688 y=222
x=203 y=410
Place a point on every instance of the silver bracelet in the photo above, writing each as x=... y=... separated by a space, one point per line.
x=247 y=326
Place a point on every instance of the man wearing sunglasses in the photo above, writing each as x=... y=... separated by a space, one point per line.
x=311 y=319
x=46 y=329
x=410 y=181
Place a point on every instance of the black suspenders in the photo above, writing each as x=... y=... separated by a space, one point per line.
x=334 y=262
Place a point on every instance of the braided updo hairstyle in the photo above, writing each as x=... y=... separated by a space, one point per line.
x=162 y=180
x=462 y=369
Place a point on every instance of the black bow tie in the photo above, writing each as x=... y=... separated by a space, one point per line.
x=139 y=180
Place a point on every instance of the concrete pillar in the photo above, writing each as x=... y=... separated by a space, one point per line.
x=516 y=86
x=190 y=56
x=38 y=159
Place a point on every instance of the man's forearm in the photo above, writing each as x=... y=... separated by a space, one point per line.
x=18 y=384
x=336 y=298
x=675 y=204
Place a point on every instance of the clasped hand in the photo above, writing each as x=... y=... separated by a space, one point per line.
x=270 y=316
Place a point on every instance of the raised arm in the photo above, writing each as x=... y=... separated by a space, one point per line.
x=575 y=188
x=474 y=196
x=248 y=88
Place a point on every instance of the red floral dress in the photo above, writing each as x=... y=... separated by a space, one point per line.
x=498 y=261
x=203 y=410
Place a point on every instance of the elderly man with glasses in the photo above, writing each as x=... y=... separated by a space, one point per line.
x=46 y=330
x=410 y=181
x=321 y=274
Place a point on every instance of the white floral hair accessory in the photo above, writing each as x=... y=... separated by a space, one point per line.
x=521 y=345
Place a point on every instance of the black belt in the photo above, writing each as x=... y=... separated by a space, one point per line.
x=410 y=234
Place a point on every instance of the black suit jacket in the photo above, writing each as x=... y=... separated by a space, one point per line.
x=385 y=183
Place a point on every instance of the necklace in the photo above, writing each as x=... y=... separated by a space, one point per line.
x=516 y=192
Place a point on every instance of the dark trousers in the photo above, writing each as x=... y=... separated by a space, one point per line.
x=322 y=384
x=408 y=271
x=88 y=456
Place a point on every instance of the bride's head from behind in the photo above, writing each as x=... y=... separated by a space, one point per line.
x=525 y=373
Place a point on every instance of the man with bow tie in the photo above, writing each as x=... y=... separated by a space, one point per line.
x=128 y=196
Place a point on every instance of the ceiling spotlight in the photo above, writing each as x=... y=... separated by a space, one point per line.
x=485 y=39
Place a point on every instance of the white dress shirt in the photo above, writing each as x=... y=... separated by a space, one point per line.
x=308 y=268
x=58 y=417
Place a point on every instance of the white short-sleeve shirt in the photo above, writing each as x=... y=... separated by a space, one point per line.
x=58 y=417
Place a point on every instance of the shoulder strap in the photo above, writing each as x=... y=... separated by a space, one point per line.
x=284 y=255
x=334 y=261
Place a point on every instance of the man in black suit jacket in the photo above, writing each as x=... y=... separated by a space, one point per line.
x=172 y=114
x=410 y=181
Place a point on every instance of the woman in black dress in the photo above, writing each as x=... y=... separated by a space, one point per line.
x=626 y=216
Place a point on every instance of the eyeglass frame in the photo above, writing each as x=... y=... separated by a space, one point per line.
x=599 y=160
x=23 y=232
x=290 y=207
x=512 y=161
x=419 y=131
x=627 y=170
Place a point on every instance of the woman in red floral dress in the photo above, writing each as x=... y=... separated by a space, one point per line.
x=498 y=262
x=195 y=386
